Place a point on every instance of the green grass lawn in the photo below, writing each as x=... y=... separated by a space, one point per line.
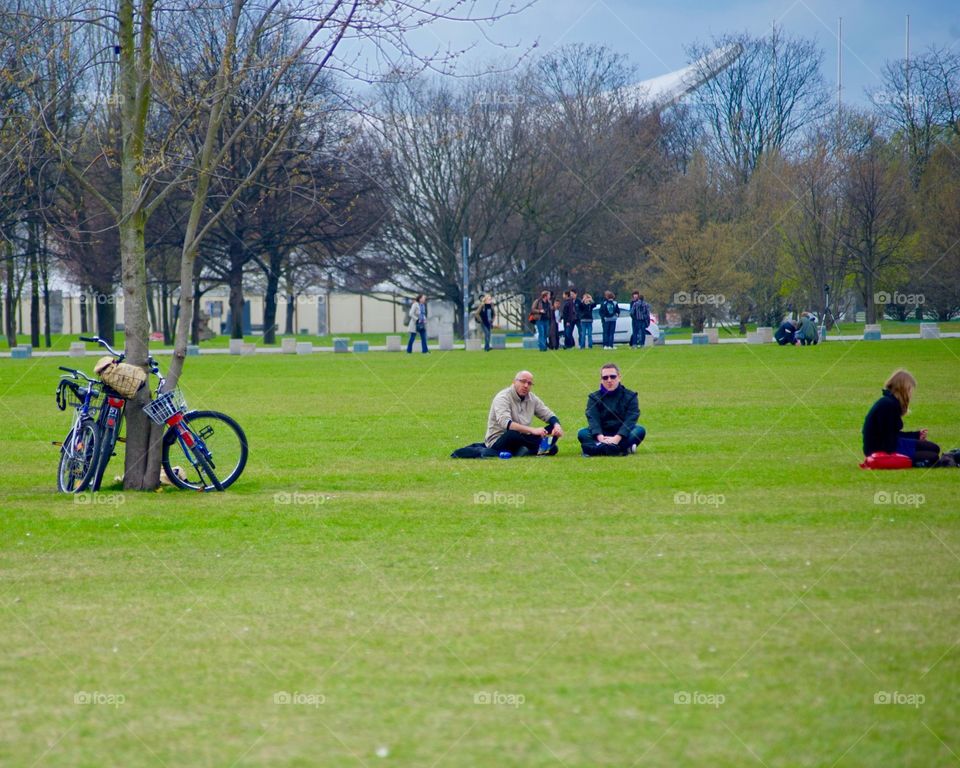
x=738 y=593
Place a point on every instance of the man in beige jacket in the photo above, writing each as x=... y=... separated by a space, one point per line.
x=509 y=425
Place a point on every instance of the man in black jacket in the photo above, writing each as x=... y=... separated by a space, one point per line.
x=569 y=315
x=612 y=413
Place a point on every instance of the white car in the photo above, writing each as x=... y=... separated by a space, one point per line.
x=624 y=327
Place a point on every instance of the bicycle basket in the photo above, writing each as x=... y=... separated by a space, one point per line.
x=165 y=406
x=122 y=378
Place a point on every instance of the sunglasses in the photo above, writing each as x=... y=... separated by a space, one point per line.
x=525 y=381
x=611 y=377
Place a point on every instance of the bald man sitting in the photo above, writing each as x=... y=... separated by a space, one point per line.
x=510 y=423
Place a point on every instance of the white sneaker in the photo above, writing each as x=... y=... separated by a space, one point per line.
x=633 y=448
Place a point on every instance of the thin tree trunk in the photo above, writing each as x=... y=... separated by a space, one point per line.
x=34 y=287
x=9 y=301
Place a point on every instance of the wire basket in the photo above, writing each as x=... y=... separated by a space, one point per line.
x=165 y=406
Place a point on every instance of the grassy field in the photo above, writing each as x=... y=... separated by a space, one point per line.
x=738 y=593
x=62 y=342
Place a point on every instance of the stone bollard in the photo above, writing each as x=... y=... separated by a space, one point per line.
x=530 y=342
x=341 y=345
x=193 y=350
x=236 y=346
x=661 y=340
x=765 y=334
x=699 y=338
x=713 y=335
x=288 y=345
x=361 y=346
x=871 y=332
x=498 y=341
x=929 y=331
x=445 y=342
x=393 y=344
x=304 y=348
x=21 y=352
x=77 y=349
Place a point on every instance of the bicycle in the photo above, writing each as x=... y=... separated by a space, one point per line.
x=80 y=449
x=211 y=445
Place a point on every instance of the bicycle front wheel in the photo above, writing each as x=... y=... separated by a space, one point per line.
x=79 y=455
x=217 y=457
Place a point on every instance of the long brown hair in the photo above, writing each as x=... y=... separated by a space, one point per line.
x=901 y=385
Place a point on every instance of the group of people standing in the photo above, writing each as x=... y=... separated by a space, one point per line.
x=573 y=313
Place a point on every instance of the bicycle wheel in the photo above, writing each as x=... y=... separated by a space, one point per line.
x=107 y=443
x=217 y=458
x=78 y=458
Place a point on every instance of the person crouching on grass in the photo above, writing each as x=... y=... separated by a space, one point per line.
x=883 y=427
x=612 y=413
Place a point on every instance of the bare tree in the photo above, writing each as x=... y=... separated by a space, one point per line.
x=920 y=101
x=877 y=221
x=763 y=100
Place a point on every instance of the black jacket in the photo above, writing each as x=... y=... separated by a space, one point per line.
x=612 y=413
x=585 y=309
x=884 y=425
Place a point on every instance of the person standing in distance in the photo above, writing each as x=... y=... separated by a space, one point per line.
x=418 y=323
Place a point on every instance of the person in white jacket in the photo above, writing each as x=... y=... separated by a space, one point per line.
x=418 y=323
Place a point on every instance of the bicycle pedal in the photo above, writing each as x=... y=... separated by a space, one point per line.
x=206 y=432
x=58 y=443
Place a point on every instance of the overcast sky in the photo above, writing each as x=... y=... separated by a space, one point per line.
x=654 y=34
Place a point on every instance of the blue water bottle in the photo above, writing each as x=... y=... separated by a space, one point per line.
x=506 y=455
x=544 y=444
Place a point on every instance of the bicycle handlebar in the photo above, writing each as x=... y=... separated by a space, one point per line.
x=75 y=373
x=154 y=367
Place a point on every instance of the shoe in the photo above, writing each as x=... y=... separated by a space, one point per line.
x=553 y=450
x=633 y=448
x=584 y=454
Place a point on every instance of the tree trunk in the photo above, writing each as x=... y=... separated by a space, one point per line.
x=83 y=311
x=34 y=288
x=165 y=313
x=9 y=301
x=105 y=307
x=291 y=308
x=142 y=458
x=870 y=307
x=270 y=299
x=152 y=306
x=235 y=280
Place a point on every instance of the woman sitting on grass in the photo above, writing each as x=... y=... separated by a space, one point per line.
x=883 y=427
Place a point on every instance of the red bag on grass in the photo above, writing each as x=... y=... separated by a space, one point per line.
x=882 y=460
